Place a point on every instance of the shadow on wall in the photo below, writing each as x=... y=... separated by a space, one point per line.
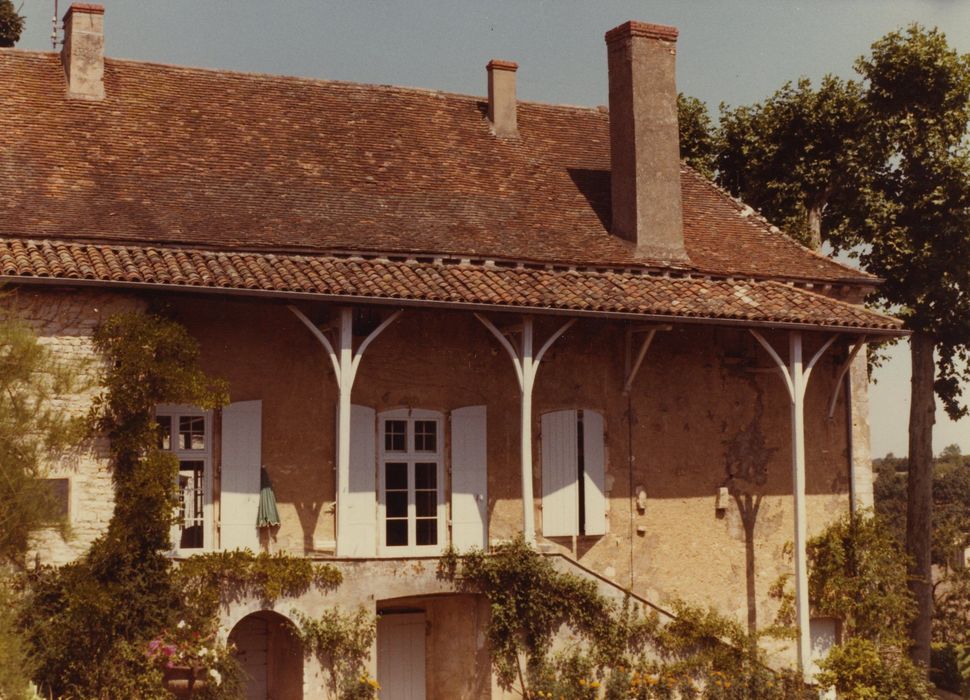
x=746 y=460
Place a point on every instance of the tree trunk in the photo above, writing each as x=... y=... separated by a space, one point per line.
x=815 y=225
x=919 y=509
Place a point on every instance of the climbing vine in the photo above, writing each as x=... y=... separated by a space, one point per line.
x=612 y=650
x=342 y=642
x=208 y=580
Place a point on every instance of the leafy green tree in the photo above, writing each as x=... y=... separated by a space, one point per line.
x=798 y=156
x=951 y=535
x=858 y=575
x=11 y=24
x=914 y=231
x=698 y=137
x=881 y=167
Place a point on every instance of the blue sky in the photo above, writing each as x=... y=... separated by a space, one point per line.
x=733 y=51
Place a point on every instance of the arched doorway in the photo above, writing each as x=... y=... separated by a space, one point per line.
x=271 y=656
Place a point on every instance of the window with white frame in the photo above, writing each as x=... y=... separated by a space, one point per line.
x=187 y=433
x=412 y=505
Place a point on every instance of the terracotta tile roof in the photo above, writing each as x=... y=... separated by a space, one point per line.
x=414 y=281
x=229 y=161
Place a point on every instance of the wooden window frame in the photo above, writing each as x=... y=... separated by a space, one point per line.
x=410 y=456
x=205 y=456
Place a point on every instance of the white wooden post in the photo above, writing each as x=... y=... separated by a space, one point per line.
x=526 y=367
x=798 y=482
x=345 y=363
x=796 y=376
x=528 y=379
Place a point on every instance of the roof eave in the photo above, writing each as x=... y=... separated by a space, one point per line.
x=883 y=333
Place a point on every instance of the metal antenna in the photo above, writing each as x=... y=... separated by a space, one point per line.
x=54 y=28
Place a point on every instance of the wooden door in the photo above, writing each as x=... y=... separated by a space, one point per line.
x=400 y=656
x=251 y=638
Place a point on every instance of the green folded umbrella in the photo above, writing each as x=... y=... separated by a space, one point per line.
x=267 y=516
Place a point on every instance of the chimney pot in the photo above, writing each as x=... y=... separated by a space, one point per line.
x=501 y=98
x=644 y=140
x=83 y=51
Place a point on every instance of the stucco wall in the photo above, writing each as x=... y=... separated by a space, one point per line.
x=706 y=410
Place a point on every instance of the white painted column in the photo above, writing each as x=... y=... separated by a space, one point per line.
x=796 y=375
x=526 y=366
x=528 y=380
x=798 y=381
x=345 y=363
x=345 y=383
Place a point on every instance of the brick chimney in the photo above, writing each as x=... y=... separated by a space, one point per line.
x=644 y=141
x=501 y=97
x=83 y=51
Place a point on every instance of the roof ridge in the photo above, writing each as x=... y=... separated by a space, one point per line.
x=595 y=109
x=324 y=81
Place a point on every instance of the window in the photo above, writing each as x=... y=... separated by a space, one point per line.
x=58 y=491
x=412 y=518
x=186 y=432
x=573 y=474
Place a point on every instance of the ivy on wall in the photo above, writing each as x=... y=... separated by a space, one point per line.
x=616 y=651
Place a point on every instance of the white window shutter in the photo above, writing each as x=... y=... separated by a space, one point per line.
x=469 y=478
x=357 y=531
x=594 y=478
x=560 y=492
x=241 y=461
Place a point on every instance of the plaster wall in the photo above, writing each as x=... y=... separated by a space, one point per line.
x=707 y=410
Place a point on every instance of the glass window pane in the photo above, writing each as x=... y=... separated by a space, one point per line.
x=164 y=432
x=397 y=533
x=191 y=433
x=426 y=503
x=191 y=513
x=395 y=476
x=425 y=435
x=395 y=435
x=427 y=531
x=397 y=504
x=426 y=475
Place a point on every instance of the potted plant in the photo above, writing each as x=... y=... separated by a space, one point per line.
x=189 y=658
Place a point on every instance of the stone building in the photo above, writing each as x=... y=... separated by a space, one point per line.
x=444 y=320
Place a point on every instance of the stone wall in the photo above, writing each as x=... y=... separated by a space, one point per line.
x=64 y=320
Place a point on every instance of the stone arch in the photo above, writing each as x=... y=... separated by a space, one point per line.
x=271 y=656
